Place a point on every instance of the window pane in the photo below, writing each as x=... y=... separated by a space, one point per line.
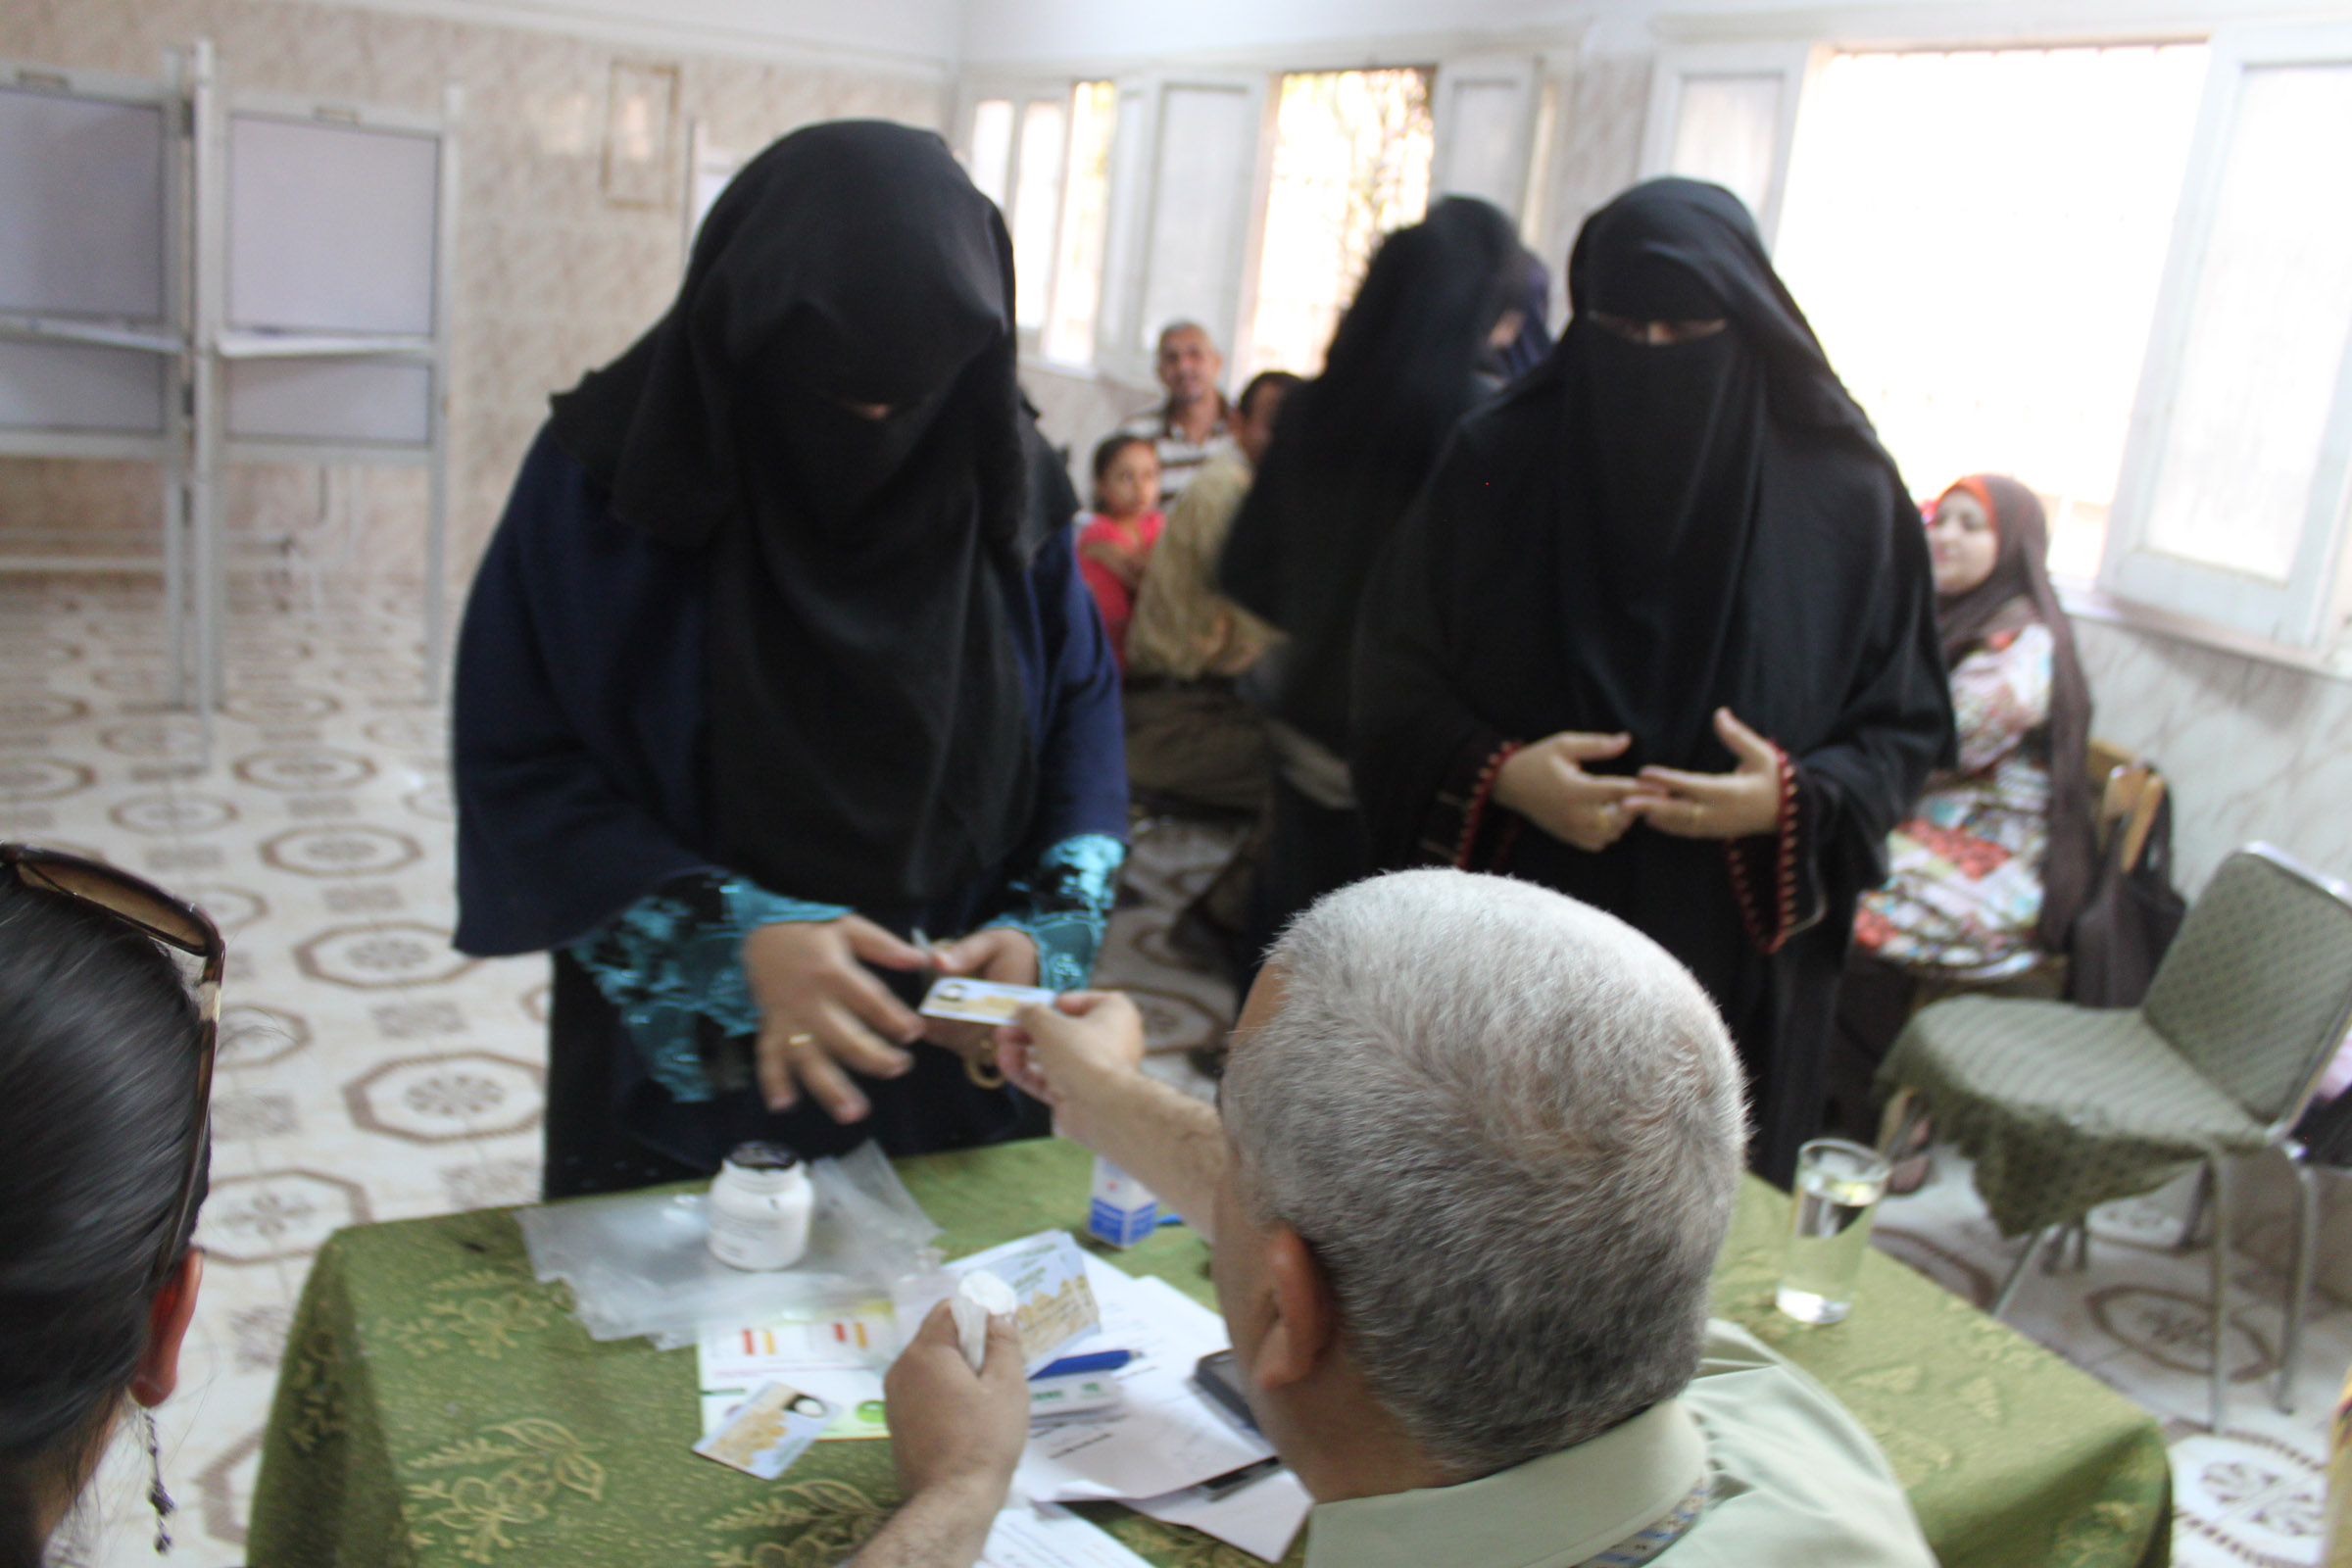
x=2267 y=332
x=1351 y=162
x=992 y=147
x=1035 y=205
x=1489 y=118
x=1724 y=130
x=1206 y=140
x=1085 y=206
x=1978 y=238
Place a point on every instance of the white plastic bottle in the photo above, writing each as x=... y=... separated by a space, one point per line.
x=758 y=1208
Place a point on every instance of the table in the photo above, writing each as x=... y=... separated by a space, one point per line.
x=438 y=1406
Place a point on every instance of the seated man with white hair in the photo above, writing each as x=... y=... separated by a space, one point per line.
x=1477 y=1146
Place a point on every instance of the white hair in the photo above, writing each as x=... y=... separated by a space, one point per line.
x=1510 y=1128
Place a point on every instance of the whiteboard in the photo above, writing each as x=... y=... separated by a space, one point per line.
x=331 y=227
x=82 y=206
x=356 y=402
x=81 y=388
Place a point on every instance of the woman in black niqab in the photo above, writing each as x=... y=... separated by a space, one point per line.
x=1351 y=450
x=778 y=659
x=1662 y=634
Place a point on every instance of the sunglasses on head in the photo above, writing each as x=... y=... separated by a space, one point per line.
x=147 y=909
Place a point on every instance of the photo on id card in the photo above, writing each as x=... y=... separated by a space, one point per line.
x=769 y=1431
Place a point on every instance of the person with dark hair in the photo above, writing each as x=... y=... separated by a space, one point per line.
x=1351 y=452
x=1115 y=540
x=1986 y=874
x=1523 y=336
x=1192 y=741
x=778 y=659
x=103 y=1151
x=1661 y=635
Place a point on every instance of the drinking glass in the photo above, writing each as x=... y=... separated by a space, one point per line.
x=1838 y=1185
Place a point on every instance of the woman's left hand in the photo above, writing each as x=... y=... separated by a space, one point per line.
x=1737 y=805
x=998 y=952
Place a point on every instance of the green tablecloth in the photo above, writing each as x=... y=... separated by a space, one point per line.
x=438 y=1406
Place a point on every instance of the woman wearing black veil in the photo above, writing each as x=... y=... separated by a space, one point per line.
x=1662 y=634
x=779 y=660
x=1351 y=450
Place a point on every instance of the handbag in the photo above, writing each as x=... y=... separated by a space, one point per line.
x=2132 y=913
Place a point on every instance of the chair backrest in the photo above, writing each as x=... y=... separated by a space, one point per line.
x=2124 y=791
x=2257 y=990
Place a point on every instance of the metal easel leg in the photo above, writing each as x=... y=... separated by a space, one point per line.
x=2218 y=1387
x=2298 y=1282
x=2017 y=1270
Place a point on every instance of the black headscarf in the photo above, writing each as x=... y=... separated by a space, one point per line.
x=1663 y=490
x=1533 y=302
x=1355 y=445
x=868 y=737
x=2020 y=574
x=1630 y=538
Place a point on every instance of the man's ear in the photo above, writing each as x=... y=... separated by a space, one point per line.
x=1306 y=1327
x=168 y=1319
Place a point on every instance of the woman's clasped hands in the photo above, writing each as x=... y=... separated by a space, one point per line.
x=1547 y=784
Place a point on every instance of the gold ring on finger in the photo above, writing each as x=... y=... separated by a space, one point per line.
x=983 y=1070
x=801 y=1039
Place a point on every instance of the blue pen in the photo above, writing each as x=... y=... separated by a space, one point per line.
x=1073 y=1365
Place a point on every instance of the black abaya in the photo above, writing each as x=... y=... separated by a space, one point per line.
x=1631 y=538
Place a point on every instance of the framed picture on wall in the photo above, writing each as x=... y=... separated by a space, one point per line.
x=641 y=118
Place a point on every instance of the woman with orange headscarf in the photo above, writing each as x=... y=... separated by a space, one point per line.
x=1986 y=874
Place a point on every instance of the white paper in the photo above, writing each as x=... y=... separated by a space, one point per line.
x=1048 y=1276
x=1262 y=1518
x=1168 y=1436
x=1046 y=1537
x=836 y=1356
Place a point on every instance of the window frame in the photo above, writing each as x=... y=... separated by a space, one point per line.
x=1794 y=61
x=1525 y=75
x=2305 y=612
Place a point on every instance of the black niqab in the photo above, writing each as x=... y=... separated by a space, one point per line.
x=868 y=738
x=1355 y=445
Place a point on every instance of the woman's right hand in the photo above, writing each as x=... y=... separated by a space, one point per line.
x=820 y=1012
x=1545 y=782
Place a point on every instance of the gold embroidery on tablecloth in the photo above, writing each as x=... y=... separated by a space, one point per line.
x=539 y=1457
x=488 y=1326
x=319 y=1412
x=826 y=1520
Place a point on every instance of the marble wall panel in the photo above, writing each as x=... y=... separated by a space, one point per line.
x=2252 y=749
x=551 y=279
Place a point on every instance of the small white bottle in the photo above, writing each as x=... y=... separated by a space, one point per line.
x=758 y=1208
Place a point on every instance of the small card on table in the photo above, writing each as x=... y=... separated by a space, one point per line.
x=980 y=1000
x=772 y=1428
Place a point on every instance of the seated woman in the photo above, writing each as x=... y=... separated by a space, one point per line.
x=1987 y=872
x=103 y=1146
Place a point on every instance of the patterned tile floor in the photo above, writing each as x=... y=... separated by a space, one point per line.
x=368 y=1073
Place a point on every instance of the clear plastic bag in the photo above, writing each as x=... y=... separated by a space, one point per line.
x=640 y=1263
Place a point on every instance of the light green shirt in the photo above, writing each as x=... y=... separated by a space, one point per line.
x=1795 y=1482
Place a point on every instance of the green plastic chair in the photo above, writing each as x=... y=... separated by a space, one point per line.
x=2065 y=1108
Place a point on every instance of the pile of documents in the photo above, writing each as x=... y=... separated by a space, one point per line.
x=1165 y=1450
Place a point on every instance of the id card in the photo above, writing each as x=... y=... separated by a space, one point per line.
x=981 y=1001
x=772 y=1428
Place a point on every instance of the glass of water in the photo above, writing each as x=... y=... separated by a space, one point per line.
x=1838 y=1187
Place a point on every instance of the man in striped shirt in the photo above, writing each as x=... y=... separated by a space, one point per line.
x=1190 y=427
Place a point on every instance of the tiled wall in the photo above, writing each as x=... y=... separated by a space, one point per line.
x=552 y=279
x=2252 y=749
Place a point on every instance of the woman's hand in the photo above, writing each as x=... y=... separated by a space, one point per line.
x=1547 y=784
x=998 y=952
x=1737 y=805
x=820 y=1012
